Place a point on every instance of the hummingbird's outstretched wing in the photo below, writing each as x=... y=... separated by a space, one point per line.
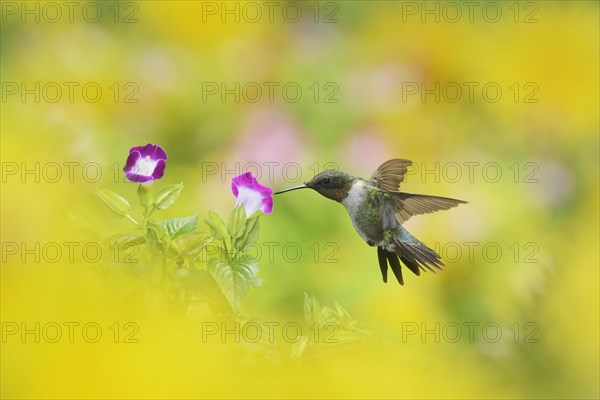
x=390 y=174
x=398 y=206
x=405 y=205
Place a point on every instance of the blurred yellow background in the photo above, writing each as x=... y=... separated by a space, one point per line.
x=83 y=82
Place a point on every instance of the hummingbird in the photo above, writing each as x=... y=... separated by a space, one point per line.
x=378 y=209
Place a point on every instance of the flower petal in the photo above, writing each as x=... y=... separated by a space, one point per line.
x=145 y=163
x=263 y=190
x=159 y=171
x=135 y=177
x=252 y=194
x=244 y=180
x=132 y=159
x=131 y=168
x=251 y=200
x=267 y=205
x=154 y=151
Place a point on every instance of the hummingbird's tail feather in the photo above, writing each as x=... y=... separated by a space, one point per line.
x=386 y=257
x=404 y=247
x=382 y=257
x=412 y=265
x=416 y=255
x=419 y=254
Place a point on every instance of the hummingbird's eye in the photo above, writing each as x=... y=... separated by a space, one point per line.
x=326 y=181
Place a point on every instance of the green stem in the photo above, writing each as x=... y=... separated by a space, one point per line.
x=164 y=272
x=187 y=297
x=151 y=211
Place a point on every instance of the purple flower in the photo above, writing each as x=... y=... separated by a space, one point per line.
x=252 y=194
x=145 y=163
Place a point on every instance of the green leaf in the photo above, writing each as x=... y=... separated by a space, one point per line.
x=114 y=202
x=346 y=329
x=237 y=223
x=153 y=241
x=217 y=226
x=299 y=347
x=235 y=277
x=338 y=316
x=312 y=309
x=307 y=308
x=343 y=314
x=143 y=193
x=157 y=238
x=251 y=233
x=193 y=244
x=175 y=227
x=265 y=349
x=166 y=196
x=126 y=240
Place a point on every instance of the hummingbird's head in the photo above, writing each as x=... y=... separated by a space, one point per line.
x=332 y=184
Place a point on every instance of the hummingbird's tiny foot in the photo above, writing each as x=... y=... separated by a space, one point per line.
x=370 y=243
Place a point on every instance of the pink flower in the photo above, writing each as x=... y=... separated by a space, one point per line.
x=252 y=194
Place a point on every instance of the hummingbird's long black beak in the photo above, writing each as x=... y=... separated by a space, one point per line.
x=303 y=186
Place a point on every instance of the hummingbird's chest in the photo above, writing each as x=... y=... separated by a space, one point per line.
x=362 y=206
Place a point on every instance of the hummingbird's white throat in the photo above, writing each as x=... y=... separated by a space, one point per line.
x=355 y=197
